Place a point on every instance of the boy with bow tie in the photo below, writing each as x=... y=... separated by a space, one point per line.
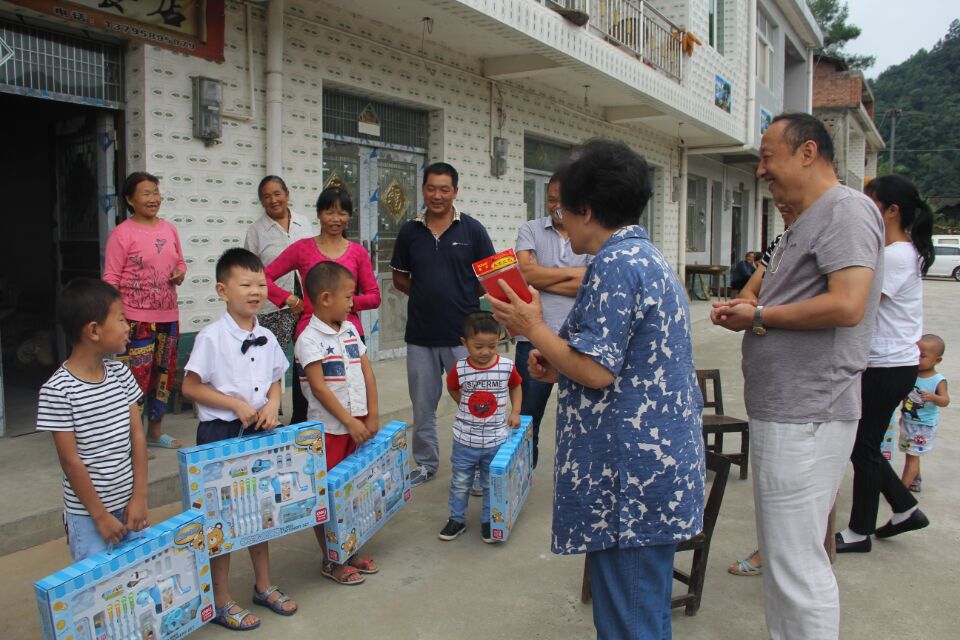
x=233 y=376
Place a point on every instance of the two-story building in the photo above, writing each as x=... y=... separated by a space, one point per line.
x=365 y=94
x=844 y=102
x=729 y=211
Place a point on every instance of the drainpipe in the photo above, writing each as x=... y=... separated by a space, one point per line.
x=275 y=87
x=682 y=240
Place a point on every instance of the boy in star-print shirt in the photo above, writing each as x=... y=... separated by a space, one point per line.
x=337 y=380
x=480 y=384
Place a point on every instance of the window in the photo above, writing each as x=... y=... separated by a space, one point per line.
x=715 y=8
x=540 y=160
x=764 y=50
x=947 y=251
x=696 y=215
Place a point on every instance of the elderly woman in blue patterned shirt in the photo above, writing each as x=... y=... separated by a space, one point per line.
x=629 y=468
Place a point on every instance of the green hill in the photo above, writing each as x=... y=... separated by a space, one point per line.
x=927 y=88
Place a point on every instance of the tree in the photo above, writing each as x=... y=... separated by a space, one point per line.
x=832 y=17
x=926 y=90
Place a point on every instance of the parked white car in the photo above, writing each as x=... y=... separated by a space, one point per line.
x=947 y=262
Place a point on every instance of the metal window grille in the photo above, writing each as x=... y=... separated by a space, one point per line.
x=52 y=65
x=542 y=155
x=398 y=125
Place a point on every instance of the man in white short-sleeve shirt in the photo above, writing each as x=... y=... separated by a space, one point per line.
x=550 y=265
x=806 y=345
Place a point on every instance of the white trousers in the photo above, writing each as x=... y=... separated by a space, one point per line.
x=797 y=469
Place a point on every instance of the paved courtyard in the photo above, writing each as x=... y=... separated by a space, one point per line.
x=467 y=590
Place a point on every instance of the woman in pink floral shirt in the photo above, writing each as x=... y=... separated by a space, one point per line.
x=334 y=208
x=144 y=261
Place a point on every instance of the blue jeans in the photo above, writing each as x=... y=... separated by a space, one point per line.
x=426 y=367
x=464 y=462
x=631 y=592
x=535 y=394
x=83 y=537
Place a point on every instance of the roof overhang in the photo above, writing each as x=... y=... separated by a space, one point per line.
x=518 y=41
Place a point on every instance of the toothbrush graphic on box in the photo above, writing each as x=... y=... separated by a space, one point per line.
x=235 y=506
x=251 y=506
x=242 y=510
x=133 y=614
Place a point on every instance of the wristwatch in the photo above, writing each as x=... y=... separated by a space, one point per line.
x=758 y=328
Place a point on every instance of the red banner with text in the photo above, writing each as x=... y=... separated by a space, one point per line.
x=193 y=27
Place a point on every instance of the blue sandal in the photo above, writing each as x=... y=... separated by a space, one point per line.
x=165 y=441
x=234 y=621
x=263 y=599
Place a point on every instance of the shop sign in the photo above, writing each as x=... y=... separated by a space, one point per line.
x=193 y=27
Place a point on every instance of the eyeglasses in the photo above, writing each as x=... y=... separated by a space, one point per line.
x=778 y=252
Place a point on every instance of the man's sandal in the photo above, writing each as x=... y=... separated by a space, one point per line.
x=234 y=621
x=349 y=576
x=276 y=605
x=364 y=565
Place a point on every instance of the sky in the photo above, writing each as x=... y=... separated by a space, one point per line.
x=893 y=30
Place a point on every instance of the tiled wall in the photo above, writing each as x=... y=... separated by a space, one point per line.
x=210 y=192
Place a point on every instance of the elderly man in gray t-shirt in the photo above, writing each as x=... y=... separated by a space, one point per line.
x=807 y=341
x=550 y=265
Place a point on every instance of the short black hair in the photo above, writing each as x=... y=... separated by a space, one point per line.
x=442 y=169
x=801 y=127
x=332 y=196
x=237 y=257
x=325 y=276
x=82 y=301
x=607 y=177
x=480 y=322
x=130 y=185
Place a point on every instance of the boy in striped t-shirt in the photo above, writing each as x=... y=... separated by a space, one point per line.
x=91 y=406
x=480 y=384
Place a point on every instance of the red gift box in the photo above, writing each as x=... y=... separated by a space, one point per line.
x=502 y=266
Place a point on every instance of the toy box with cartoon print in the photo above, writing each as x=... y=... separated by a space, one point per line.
x=511 y=476
x=256 y=488
x=366 y=489
x=156 y=585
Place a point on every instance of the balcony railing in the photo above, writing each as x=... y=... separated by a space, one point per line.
x=635 y=26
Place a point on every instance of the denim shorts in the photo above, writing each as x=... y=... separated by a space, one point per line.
x=82 y=534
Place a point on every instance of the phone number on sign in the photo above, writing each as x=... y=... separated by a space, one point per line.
x=149 y=35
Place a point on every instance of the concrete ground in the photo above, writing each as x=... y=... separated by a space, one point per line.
x=465 y=589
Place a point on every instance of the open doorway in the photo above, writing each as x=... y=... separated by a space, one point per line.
x=57 y=174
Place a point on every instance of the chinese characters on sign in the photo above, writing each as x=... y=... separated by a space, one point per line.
x=194 y=27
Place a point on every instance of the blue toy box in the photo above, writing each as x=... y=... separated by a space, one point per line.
x=366 y=489
x=511 y=476
x=256 y=488
x=155 y=585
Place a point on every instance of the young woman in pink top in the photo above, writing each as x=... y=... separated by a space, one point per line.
x=334 y=208
x=144 y=261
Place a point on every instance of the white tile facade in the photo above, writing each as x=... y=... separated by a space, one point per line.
x=210 y=192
